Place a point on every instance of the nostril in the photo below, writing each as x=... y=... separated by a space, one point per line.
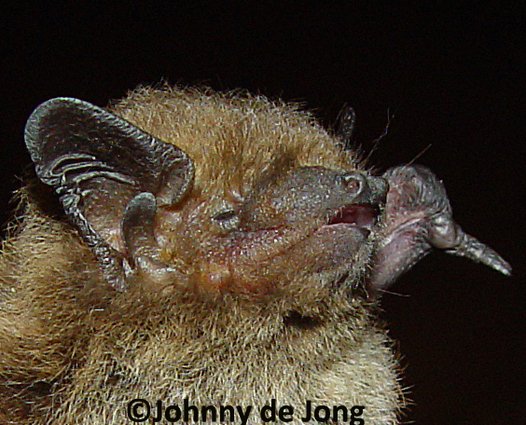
x=354 y=183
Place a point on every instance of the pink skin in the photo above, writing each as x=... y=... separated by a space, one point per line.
x=256 y=261
x=417 y=218
x=123 y=191
x=296 y=226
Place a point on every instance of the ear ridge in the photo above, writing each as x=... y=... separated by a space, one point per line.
x=97 y=163
x=65 y=117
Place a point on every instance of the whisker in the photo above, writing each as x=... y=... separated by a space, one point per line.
x=376 y=141
x=418 y=155
x=398 y=294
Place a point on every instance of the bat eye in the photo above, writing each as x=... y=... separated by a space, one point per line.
x=227 y=220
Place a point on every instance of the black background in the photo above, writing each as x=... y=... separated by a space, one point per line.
x=451 y=77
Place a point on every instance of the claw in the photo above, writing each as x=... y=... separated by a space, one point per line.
x=443 y=233
x=475 y=250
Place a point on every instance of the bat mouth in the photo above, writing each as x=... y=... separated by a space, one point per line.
x=361 y=216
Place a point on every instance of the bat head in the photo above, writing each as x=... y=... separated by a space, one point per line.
x=226 y=242
x=222 y=193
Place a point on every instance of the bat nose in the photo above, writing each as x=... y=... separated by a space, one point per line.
x=365 y=188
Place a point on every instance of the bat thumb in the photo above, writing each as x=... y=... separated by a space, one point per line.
x=475 y=250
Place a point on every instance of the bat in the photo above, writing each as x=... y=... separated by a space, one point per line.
x=214 y=255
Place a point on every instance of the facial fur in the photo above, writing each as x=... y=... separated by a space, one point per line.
x=229 y=257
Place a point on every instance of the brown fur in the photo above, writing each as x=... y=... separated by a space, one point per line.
x=74 y=351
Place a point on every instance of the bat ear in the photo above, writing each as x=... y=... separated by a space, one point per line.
x=345 y=125
x=97 y=163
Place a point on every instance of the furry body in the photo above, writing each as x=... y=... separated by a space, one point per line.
x=238 y=327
